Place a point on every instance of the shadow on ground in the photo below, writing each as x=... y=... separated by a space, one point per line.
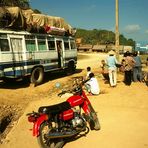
x=25 y=82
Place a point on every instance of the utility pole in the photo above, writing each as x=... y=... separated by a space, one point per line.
x=117 y=29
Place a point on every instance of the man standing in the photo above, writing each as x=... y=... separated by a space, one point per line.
x=111 y=62
x=128 y=64
x=137 y=69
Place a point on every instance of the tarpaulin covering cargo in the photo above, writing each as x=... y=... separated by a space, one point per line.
x=5 y=17
x=17 y=18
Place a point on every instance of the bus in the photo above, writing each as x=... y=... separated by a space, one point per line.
x=31 y=54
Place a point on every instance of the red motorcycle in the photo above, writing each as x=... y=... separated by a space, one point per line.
x=54 y=125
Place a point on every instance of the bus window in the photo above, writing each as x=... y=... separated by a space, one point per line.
x=51 y=45
x=41 y=43
x=72 y=44
x=4 y=45
x=66 y=45
x=30 y=43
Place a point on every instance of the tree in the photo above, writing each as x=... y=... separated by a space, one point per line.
x=130 y=42
x=37 y=11
x=123 y=40
x=24 y=3
x=19 y=3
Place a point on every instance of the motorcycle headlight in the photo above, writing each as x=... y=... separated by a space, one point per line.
x=78 y=90
x=32 y=118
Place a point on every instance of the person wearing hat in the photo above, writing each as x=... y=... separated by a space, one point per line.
x=111 y=62
x=111 y=52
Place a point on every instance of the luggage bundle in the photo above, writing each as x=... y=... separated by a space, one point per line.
x=25 y=19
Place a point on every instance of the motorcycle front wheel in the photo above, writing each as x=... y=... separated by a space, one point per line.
x=46 y=142
x=93 y=121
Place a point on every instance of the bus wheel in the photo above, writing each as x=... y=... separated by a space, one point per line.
x=71 y=68
x=37 y=75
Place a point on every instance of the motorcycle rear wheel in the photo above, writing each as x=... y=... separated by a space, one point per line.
x=45 y=142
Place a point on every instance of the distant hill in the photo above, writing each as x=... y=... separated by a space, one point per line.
x=96 y=36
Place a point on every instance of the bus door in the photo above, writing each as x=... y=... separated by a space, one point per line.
x=60 y=53
x=18 y=56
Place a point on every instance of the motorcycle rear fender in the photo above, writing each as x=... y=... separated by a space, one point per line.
x=37 y=124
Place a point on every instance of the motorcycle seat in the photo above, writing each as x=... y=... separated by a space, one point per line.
x=55 y=109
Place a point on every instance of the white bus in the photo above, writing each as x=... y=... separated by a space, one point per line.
x=29 y=54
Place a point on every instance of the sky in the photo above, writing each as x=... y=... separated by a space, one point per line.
x=100 y=14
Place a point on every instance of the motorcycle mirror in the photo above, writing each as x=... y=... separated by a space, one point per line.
x=58 y=85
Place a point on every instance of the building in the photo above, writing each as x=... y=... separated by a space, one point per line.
x=102 y=48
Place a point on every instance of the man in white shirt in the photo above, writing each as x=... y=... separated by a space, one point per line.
x=92 y=85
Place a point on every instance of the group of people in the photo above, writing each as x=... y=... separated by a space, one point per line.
x=131 y=65
x=132 y=68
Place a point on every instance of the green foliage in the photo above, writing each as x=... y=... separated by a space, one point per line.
x=37 y=11
x=130 y=42
x=96 y=36
x=19 y=3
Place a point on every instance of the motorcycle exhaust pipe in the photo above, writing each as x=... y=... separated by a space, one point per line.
x=62 y=134
x=65 y=134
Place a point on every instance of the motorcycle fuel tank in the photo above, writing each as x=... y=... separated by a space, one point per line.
x=75 y=101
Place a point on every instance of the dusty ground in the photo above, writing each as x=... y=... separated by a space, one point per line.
x=122 y=110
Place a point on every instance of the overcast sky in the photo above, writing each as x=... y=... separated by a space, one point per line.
x=100 y=14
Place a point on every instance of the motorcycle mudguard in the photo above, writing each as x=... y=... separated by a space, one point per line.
x=86 y=108
x=37 y=124
x=91 y=117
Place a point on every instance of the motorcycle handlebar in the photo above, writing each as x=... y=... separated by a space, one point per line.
x=83 y=82
x=61 y=93
x=76 y=87
x=32 y=113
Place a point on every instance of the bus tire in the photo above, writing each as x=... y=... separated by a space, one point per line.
x=37 y=75
x=71 y=68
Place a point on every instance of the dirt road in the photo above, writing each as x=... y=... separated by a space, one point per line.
x=123 y=112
